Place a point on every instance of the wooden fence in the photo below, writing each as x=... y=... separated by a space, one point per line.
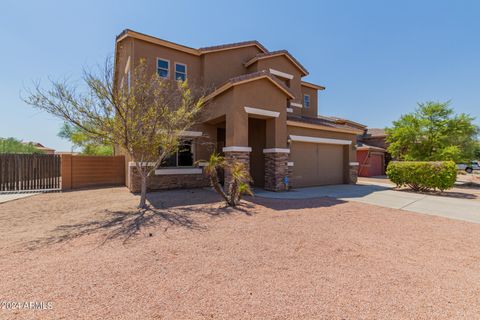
x=29 y=172
x=92 y=171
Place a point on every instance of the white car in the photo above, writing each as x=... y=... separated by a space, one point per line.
x=474 y=165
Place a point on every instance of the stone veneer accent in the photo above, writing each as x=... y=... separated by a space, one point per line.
x=276 y=169
x=353 y=174
x=171 y=181
x=230 y=156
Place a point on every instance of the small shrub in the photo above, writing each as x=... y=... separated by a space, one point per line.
x=422 y=175
x=240 y=182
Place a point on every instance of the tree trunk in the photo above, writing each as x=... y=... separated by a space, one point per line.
x=143 y=193
x=232 y=194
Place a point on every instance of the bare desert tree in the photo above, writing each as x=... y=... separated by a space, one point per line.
x=144 y=117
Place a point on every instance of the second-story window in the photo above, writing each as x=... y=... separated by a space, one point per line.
x=180 y=71
x=306 y=101
x=163 y=67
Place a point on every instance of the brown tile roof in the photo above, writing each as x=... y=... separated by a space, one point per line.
x=234 y=45
x=322 y=121
x=276 y=53
x=376 y=132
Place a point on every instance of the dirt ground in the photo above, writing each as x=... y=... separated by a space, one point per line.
x=269 y=259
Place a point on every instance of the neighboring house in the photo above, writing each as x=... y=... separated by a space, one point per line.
x=259 y=110
x=372 y=155
x=41 y=148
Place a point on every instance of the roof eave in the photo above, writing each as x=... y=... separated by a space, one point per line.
x=141 y=36
x=296 y=123
x=233 y=48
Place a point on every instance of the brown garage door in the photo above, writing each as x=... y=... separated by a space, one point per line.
x=316 y=164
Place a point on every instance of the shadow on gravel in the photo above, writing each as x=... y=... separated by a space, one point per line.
x=118 y=225
x=166 y=210
x=293 y=204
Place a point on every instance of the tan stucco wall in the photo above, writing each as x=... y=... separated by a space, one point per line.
x=281 y=63
x=218 y=106
x=313 y=110
x=152 y=51
x=223 y=65
x=124 y=49
x=212 y=69
x=261 y=94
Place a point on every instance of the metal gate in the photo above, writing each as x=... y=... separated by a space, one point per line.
x=29 y=172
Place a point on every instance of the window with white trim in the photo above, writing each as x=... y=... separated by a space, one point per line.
x=306 y=101
x=180 y=71
x=182 y=158
x=163 y=68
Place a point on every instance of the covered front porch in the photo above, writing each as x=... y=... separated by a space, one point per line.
x=258 y=139
x=250 y=116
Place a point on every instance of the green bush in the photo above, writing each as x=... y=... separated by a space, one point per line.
x=423 y=175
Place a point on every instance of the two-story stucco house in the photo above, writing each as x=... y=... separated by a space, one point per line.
x=259 y=110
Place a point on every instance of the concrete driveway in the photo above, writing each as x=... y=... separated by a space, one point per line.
x=384 y=195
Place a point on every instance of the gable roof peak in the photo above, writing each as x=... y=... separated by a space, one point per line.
x=271 y=54
x=263 y=74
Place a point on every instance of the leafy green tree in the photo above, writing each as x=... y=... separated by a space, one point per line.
x=476 y=153
x=433 y=133
x=12 y=145
x=145 y=119
x=81 y=140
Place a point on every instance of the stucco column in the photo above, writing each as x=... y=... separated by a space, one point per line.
x=276 y=169
x=236 y=128
x=276 y=132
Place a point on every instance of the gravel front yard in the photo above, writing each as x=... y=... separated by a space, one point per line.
x=270 y=259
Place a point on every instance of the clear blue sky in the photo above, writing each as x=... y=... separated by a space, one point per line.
x=376 y=58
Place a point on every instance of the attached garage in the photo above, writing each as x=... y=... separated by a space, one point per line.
x=318 y=161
